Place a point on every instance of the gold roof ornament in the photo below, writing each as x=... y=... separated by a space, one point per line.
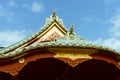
x=54 y=14
x=71 y=34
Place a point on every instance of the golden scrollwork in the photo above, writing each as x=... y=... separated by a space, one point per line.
x=72 y=56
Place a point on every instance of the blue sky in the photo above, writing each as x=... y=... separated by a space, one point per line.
x=96 y=20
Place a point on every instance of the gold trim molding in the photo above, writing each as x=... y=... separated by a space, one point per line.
x=72 y=56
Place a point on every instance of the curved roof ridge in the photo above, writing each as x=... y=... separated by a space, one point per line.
x=49 y=21
x=67 y=42
x=68 y=38
x=52 y=19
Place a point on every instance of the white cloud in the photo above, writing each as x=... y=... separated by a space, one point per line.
x=6 y=14
x=11 y=3
x=114 y=32
x=34 y=7
x=110 y=42
x=88 y=19
x=1 y=10
x=115 y=29
x=8 y=37
x=109 y=1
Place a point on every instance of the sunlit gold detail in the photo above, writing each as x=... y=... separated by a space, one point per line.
x=10 y=55
x=72 y=56
x=119 y=63
x=60 y=44
x=46 y=45
x=22 y=60
x=1 y=56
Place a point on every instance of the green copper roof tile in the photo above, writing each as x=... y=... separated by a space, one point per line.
x=49 y=21
x=69 y=40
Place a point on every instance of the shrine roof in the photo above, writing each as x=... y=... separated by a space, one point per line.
x=69 y=40
x=49 y=21
x=66 y=41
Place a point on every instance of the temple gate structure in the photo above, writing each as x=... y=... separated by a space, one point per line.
x=56 y=53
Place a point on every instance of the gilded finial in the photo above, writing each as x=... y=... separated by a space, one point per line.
x=71 y=31
x=54 y=14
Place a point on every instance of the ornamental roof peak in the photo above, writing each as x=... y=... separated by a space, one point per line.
x=54 y=14
x=71 y=37
x=53 y=18
x=71 y=33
